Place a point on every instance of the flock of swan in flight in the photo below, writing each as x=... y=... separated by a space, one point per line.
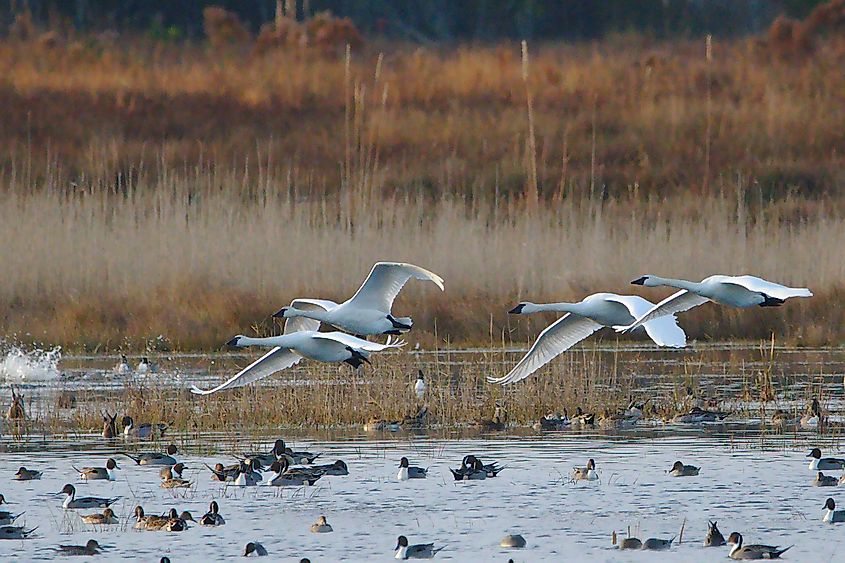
x=368 y=313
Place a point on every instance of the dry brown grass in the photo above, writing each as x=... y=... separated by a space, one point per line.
x=189 y=192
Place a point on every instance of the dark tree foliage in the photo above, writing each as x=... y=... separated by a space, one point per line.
x=436 y=20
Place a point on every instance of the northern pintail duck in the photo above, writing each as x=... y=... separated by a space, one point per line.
x=823 y=480
x=697 y=415
x=267 y=458
x=145 y=430
x=109 y=426
x=819 y=463
x=25 y=474
x=553 y=422
x=15 y=532
x=781 y=418
x=301 y=457
x=247 y=476
x=381 y=425
x=145 y=366
x=212 y=517
x=812 y=417
x=657 y=544
x=582 y=419
x=407 y=471
x=681 y=470
x=494 y=424
x=148 y=522
x=617 y=421
x=6 y=517
x=754 y=551
x=105 y=517
x=71 y=502
x=419 y=386
x=338 y=468
x=630 y=543
x=290 y=478
x=832 y=515
x=169 y=481
x=223 y=473
x=98 y=473
x=178 y=522
x=254 y=548
x=513 y=541
x=587 y=473
x=321 y=526
x=171 y=471
x=473 y=469
x=92 y=547
x=122 y=367
x=154 y=458
x=416 y=551
x=16 y=411
x=714 y=537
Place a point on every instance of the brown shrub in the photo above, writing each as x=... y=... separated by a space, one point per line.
x=223 y=27
x=328 y=32
x=22 y=28
x=284 y=32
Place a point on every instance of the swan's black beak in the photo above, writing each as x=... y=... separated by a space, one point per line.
x=517 y=310
x=234 y=341
x=280 y=314
x=639 y=281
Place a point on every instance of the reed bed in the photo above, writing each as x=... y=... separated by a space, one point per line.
x=192 y=191
x=311 y=397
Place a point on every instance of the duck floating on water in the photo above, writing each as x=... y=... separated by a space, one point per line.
x=753 y=551
x=212 y=517
x=681 y=470
x=154 y=458
x=832 y=515
x=819 y=463
x=71 y=501
x=714 y=537
x=98 y=473
x=587 y=473
x=407 y=471
x=254 y=548
x=92 y=547
x=321 y=526
x=416 y=551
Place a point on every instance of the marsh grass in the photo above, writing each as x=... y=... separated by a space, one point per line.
x=195 y=191
x=317 y=398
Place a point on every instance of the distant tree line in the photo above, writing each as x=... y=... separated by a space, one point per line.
x=432 y=20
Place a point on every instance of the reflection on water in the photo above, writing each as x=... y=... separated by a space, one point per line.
x=763 y=492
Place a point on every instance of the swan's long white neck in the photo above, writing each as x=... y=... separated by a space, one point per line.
x=655 y=281
x=272 y=341
x=316 y=314
x=553 y=307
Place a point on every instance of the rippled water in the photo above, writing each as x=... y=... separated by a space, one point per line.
x=757 y=485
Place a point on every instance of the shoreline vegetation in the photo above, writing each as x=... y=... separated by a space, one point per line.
x=747 y=383
x=188 y=190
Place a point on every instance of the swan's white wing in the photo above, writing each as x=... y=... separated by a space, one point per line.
x=558 y=337
x=676 y=303
x=663 y=330
x=357 y=343
x=771 y=289
x=275 y=360
x=298 y=324
x=384 y=283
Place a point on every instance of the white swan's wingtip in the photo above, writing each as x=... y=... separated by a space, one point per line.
x=197 y=391
x=621 y=328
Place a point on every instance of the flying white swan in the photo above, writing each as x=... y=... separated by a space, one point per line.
x=368 y=311
x=739 y=291
x=294 y=345
x=583 y=319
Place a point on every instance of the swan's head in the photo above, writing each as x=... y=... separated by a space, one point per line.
x=523 y=308
x=236 y=341
x=648 y=281
x=281 y=313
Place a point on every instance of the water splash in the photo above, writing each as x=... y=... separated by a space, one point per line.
x=36 y=366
